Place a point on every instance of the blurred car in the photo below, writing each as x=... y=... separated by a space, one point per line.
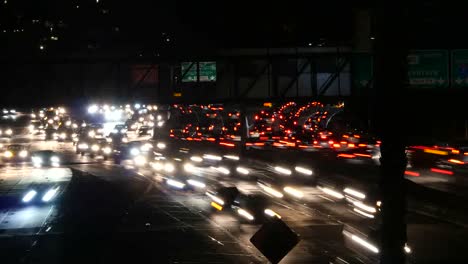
x=6 y=132
x=252 y=208
x=130 y=150
x=49 y=132
x=36 y=127
x=145 y=131
x=40 y=193
x=16 y=152
x=119 y=129
x=94 y=147
x=63 y=134
x=46 y=158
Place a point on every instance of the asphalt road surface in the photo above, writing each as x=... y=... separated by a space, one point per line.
x=104 y=213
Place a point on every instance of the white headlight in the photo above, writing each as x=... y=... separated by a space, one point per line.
x=271 y=213
x=29 y=196
x=196 y=159
x=157 y=166
x=83 y=146
x=139 y=160
x=146 y=147
x=245 y=214
x=125 y=140
x=37 y=160
x=107 y=150
x=283 y=170
x=176 y=184
x=161 y=145
x=168 y=167
x=293 y=191
x=196 y=183
x=242 y=170
x=223 y=170
x=109 y=140
x=303 y=170
x=49 y=195
x=91 y=133
x=68 y=123
x=63 y=135
x=214 y=198
x=212 y=157
x=23 y=154
x=8 y=131
x=55 y=159
x=95 y=147
x=8 y=154
x=134 y=151
x=354 y=193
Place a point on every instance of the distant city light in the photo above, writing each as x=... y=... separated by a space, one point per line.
x=41 y=47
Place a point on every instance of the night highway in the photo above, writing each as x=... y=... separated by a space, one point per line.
x=231 y=132
x=112 y=191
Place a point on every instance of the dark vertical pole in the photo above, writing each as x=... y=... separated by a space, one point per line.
x=390 y=85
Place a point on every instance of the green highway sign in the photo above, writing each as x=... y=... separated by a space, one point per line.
x=428 y=68
x=207 y=71
x=191 y=74
x=460 y=68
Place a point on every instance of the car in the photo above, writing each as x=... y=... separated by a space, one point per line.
x=40 y=194
x=250 y=208
x=36 y=127
x=6 y=132
x=63 y=134
x=94 y=147
x=130 y=150
x=50 y=131
x=16 y=152
x=120 y=129
x=145 y=131
x=47 y=158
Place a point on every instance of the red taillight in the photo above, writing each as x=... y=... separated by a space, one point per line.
x=412 y=173
x=330 y=142
x=336 y=145
x=315 y=142
x=362 y=145
x=455 y=151
x=351 y=145
x=343 y=142
x=348 y=156
x=447 y=172
x=363 y=155
x=256 y=117
x=456 y=161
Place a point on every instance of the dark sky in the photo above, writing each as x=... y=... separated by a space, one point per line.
x=67 y=27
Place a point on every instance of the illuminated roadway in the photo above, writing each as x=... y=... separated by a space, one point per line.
x=106 y=212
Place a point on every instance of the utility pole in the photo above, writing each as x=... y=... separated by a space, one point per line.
x=388 y=119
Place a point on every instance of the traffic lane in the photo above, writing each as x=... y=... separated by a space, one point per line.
x=300 y=218
x=321 y=239
x=339 y=211
x=116 y=217
x=28 y=197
